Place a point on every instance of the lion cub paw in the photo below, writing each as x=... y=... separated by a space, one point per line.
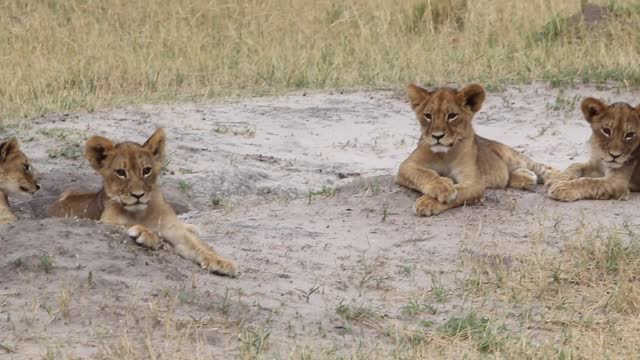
x=443 y=190
x=523 y=179
x=218 y=265
x=564 y=191
x=427 y=206
x=7 y=218
x=556 y=180
x=144 y=237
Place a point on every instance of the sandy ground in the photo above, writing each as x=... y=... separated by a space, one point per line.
x=243 y=172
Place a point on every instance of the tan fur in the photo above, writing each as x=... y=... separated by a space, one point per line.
x=452 y=166
x=16 y=177
x=613 y=169
x=131 y=198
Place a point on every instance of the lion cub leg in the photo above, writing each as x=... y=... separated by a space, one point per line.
x=574 y=171
x=186 y=242
x=144 y=236
x=467 y=194
x=6 y=215
x=523 y=179
x=590 y=188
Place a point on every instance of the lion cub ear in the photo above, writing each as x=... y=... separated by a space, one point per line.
x=156 y=144
x=8 y=148
x=472 y=96
x=417 y=95
x=96 y=150
x=591 y=108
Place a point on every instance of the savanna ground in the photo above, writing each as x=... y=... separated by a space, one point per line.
x=298 y=189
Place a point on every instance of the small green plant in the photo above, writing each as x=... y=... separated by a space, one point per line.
x=253 y=340
x=246 y=132
x=385 y=213
x=46 y=263
x=325 y=191
x=184 y=186
x=306 y=294
x=438 y=290
x=91 y=282
x=47 y=308
x=478 y=329
x=187 y=296
x=357 y=313
x=225 y=305
x=18 y=262
x=414 y=307
x=407 y=270
x=216 y=201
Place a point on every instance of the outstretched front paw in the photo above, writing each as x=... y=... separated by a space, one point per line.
x=564 y=191
x=427 y=206
x=7 y=218
x=442 y=189
x=144 y=237
x=557 y=179
x=218 y=265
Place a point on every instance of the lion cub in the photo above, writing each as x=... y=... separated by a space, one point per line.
x=16 y=177
x=131 y=197
x=453 y=166
x=613 y=169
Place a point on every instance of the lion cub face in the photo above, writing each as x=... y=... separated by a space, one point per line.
x=130 y=170
x=445 y=114
x=615 y=130
x=16 y=177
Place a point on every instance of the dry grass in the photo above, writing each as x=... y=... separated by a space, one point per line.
x=78 y=54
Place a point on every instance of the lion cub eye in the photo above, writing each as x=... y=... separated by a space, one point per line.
x=146 y=171
x=629 y=135
x=27 y=168
x=121 y=173
x=427 y=116
x=452 y=116
x=606 y=131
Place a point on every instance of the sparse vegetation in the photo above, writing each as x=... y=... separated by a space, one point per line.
x=70 y=142
x=46 y=263
x=254 y=341
x=474 y=328
x=325 y=191
x=364 y=314
x=110 y=53
x=563 y=103
x=416 y=307
x=184 y=186
x=246 y=132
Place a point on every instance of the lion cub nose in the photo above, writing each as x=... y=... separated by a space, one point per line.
x=615 y=156
x=137 y=195
x=437 y=136
x=37 y=187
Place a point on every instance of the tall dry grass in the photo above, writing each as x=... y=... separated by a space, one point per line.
x=83 y=54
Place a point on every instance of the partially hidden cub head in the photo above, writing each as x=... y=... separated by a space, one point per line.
x=16 y=177
x=445 y=114
x=615 y=130
x=130 y=171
